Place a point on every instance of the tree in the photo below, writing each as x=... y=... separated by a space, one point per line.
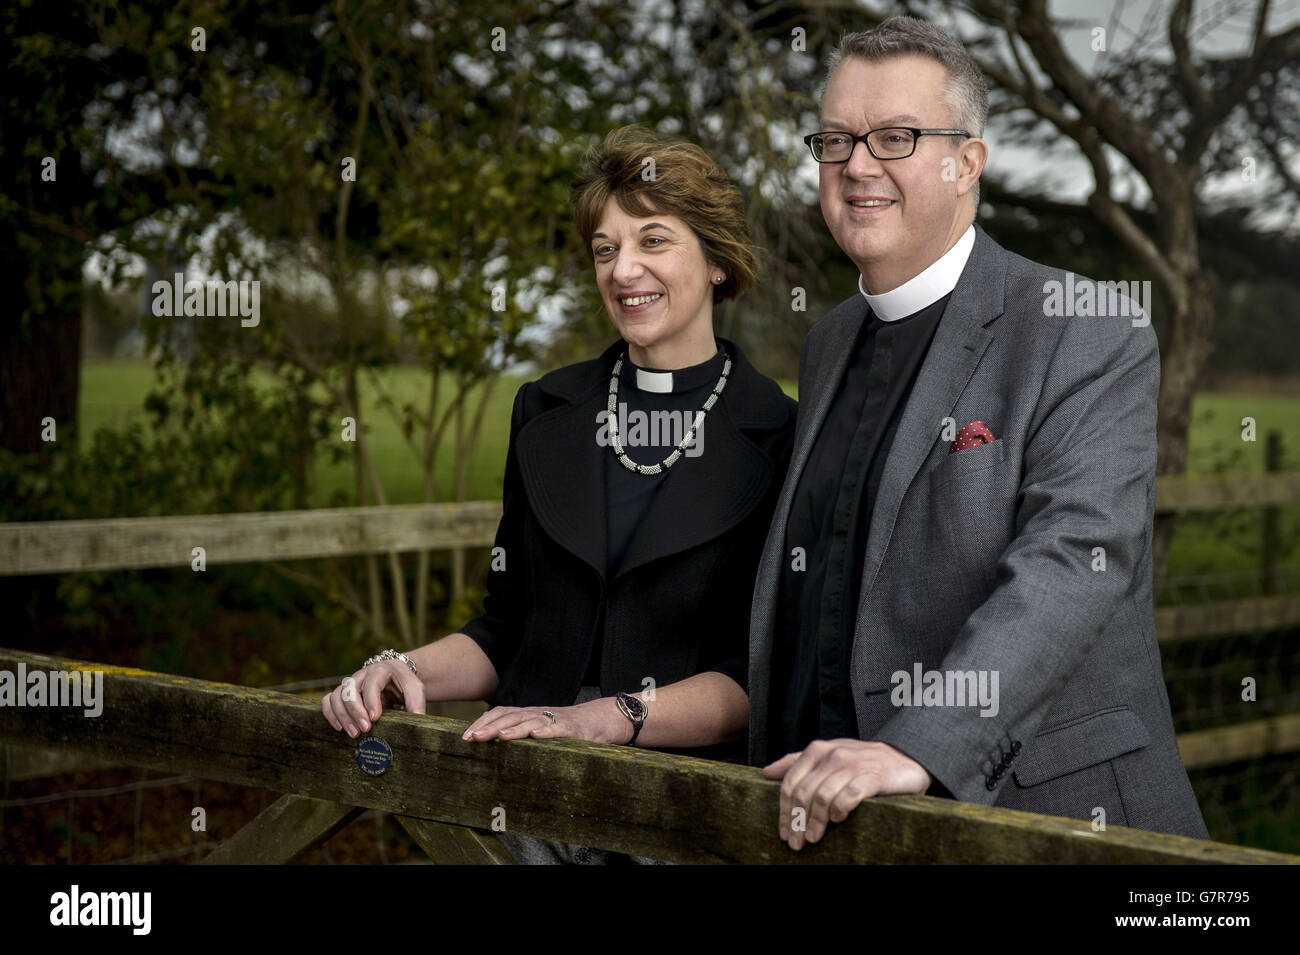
x=1170 y=125
x=402 y=186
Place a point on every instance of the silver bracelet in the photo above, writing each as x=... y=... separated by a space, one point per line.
x=391 y=654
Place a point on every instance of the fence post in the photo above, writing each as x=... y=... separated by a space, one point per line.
x=1270 y=519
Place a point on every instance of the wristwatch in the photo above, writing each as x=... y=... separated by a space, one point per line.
x=635 y=709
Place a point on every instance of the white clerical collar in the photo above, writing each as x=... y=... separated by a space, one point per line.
x=659 y=382
x=924 y=289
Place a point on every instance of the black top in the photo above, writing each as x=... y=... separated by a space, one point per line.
x=650 y=426
x=680 y=601
x=830 y=516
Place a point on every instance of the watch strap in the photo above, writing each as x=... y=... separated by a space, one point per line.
x=626 y=709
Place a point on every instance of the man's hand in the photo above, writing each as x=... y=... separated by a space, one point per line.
x=829 y=778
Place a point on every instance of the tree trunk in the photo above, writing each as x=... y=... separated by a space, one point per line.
x=40 y=352
x=1182 y=362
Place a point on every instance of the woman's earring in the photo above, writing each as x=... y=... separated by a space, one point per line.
x=717 y=279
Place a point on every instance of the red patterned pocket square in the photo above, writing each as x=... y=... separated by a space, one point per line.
x=977 y=432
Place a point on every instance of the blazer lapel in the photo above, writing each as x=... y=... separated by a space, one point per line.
x=814 y=402
x=959 y=343
x=815 y=398
x=562 y=465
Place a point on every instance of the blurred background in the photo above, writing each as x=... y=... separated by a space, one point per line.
x=394 y=175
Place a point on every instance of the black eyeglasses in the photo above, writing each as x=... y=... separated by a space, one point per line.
x=888 y=142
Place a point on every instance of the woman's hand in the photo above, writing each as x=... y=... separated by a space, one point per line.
x=600 y=720
x=360 y=699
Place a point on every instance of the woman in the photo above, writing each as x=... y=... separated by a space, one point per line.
x=637 y=495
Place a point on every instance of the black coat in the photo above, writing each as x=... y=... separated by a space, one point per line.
x=679 y=604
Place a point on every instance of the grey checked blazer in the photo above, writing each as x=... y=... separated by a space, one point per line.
x=983 y=560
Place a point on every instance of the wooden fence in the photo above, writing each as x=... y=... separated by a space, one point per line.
x=129 y=543
x=52 y=547
x=57 y=547
x=448 y=793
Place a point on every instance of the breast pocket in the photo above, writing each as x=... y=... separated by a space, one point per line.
x=973 y=506
x=960 y=463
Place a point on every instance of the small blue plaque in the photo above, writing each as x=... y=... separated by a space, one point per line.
x=374 y=755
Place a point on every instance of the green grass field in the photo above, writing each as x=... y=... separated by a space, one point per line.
x=114 y=392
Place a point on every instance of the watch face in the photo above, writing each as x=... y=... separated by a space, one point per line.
x=635 y=705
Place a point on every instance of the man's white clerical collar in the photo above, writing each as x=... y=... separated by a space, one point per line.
x=660 y=382
x=923 y=289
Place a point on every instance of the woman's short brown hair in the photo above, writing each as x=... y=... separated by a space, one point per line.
x=683 y=182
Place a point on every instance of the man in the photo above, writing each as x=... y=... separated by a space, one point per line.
x=955 y=595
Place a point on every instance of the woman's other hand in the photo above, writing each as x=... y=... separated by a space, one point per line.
x=599 y=720
x=360 y=699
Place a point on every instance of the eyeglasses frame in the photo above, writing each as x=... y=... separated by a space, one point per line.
x=916 y=138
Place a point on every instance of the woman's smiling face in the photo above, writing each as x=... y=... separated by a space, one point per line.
x=657 y=286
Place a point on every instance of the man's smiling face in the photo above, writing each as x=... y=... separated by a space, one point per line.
x=893 y=218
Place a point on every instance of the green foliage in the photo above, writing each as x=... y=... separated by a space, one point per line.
x=212 y=443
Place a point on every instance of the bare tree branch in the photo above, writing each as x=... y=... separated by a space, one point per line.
x=1267 y=52
x=1194 y=91
x=1120 y=128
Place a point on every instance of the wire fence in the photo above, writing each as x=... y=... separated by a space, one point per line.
x=1250 y=675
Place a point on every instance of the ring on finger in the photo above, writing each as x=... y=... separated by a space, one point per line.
x=554 y=718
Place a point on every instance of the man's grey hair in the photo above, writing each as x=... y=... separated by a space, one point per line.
x=967 y=93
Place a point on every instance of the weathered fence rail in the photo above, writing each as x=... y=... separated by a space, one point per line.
x=132 y=543
x=447 y=792
x=1189 y=493
x=1225 y=618
x=127 y=543
x=149 y=542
